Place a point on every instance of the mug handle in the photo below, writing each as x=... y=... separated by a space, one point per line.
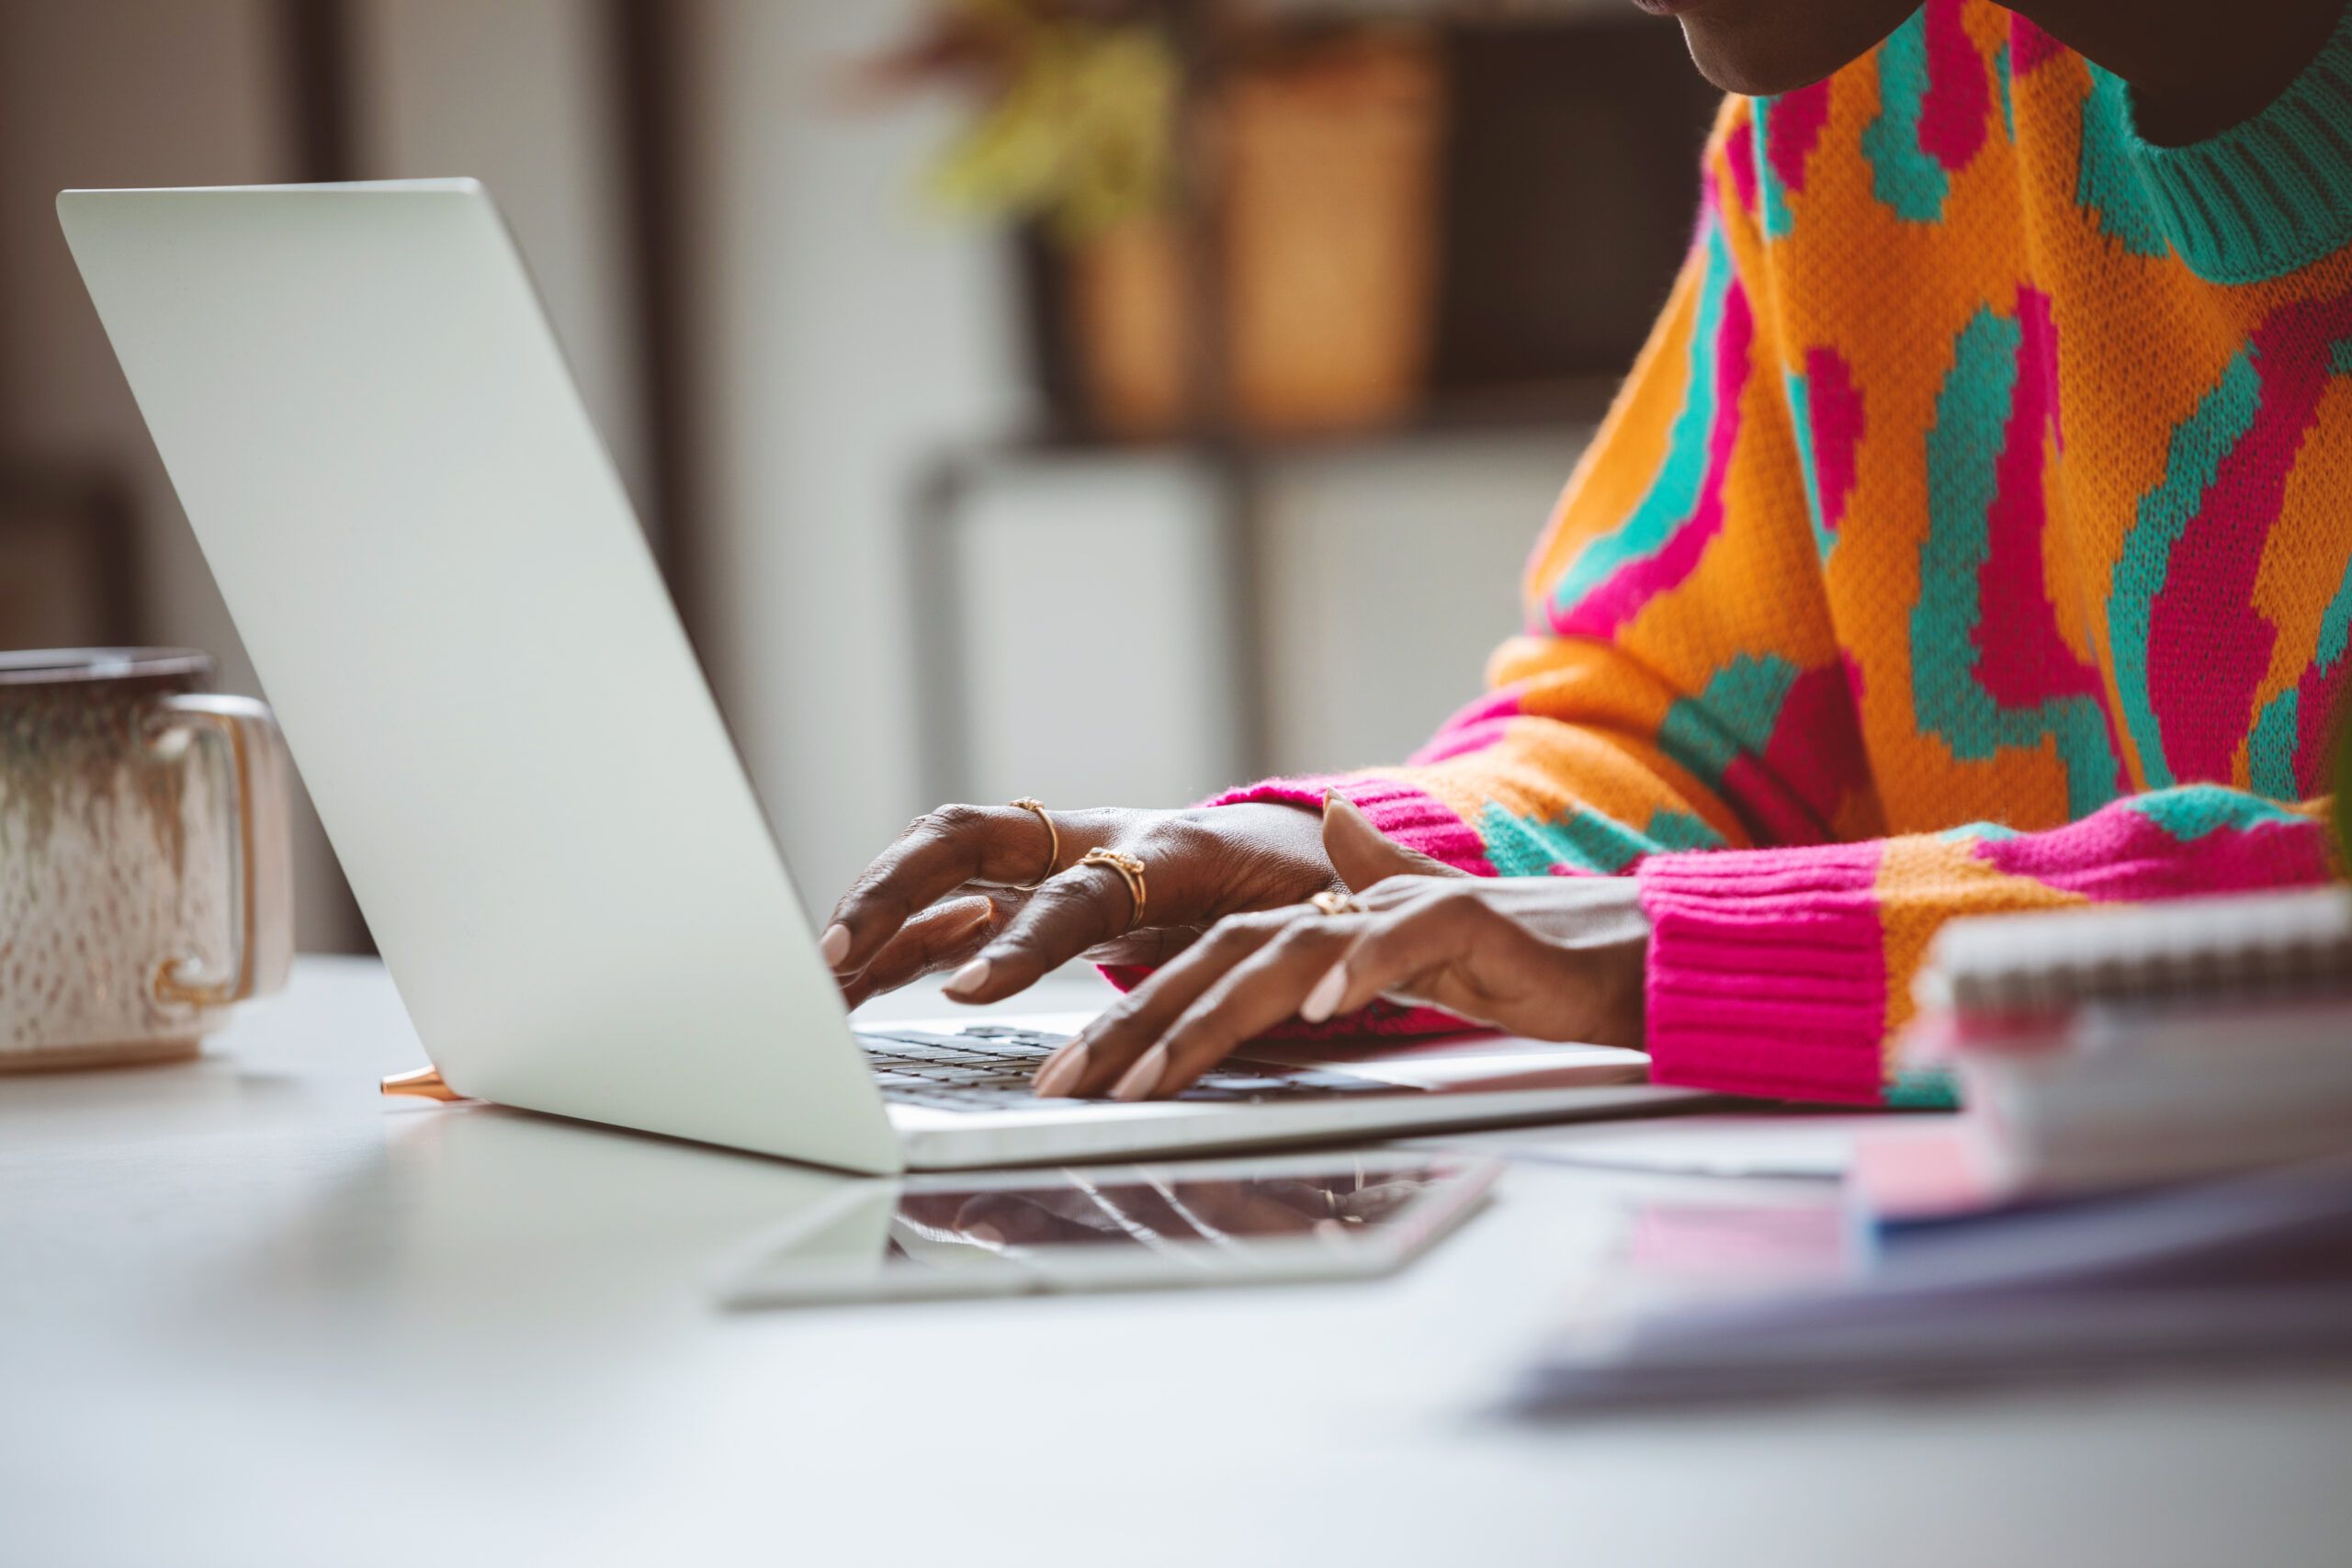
x=263 y=931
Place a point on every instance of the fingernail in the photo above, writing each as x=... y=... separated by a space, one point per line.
x=833 y=946
x=970 y=977
x=985 y=1233
x=1144 y=1076
x=1325 y=997
x=1062 y=1070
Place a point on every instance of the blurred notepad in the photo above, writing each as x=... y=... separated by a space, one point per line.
x=2252 y=1271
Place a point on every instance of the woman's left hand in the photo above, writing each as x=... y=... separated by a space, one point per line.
x=1551 y=957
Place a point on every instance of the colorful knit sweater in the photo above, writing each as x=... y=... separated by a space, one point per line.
x=1971 y=534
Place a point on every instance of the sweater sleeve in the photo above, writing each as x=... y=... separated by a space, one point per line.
x=1788 y=971
x=1677 y=684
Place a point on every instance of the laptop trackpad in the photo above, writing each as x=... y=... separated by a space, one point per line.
x=1461 y=1062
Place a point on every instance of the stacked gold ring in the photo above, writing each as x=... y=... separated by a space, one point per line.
x=1130 y=870
x=1332 y=903
x=1053 y=843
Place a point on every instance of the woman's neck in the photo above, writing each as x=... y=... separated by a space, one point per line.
x=2196 y=67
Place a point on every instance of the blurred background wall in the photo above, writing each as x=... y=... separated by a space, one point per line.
x=955 y=504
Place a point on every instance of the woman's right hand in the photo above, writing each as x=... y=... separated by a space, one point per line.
x=948 y=893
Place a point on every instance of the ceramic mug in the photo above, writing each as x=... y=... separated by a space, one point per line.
x=146 y=884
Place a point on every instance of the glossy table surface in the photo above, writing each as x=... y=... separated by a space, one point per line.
x=252 y=1313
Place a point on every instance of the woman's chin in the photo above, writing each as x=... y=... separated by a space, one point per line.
x=1761 y=47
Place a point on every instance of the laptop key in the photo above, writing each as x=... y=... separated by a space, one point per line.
x=897 y=1052
x=1324 y=1082
x=992 y=1040
x=1018 y=1036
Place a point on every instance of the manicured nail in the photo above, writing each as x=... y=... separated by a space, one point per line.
x=1144 y=1076
x=833 y=946
x=970 y=977
x=985 y=1233
x=1061 y=1072
x=1325 y=997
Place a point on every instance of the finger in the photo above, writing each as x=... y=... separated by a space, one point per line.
x=1398 y=902
x=1108 y=1047
x=1453 y=950
x=1396 y=892
x=940 y=938
x=1363 y=854
x=1152 y=946
x=1082 y=908
x=1253 y=997
x=1395 y=949
x=939 y=853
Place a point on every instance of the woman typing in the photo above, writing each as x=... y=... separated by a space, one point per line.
x=1971 y=534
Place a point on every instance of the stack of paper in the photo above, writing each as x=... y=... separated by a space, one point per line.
x=2154 y=1169
x=2250 y=1271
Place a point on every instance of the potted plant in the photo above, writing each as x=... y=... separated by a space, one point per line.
x=1148 y=138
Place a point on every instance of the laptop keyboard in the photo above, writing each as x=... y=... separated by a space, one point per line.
x=987 y=1068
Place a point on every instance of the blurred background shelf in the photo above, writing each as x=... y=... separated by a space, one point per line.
x=1233 y=469
x=1539 y=406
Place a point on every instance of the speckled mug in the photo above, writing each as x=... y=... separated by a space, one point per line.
x=144 y=878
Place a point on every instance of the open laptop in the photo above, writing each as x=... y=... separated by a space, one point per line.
x=440 y=579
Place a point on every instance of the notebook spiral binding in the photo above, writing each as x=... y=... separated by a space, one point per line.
x=2226 y=949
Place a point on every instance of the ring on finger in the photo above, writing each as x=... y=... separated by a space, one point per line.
x=1330 y=903
x=1053 y=843
x=1130 y=870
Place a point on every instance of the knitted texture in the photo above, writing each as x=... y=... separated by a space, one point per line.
x=1974 y=533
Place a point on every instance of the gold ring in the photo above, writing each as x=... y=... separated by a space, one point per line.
x=1130 y=870
x=1330 y=903
x=1053 y=843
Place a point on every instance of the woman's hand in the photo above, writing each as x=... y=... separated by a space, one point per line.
x=949 y=895
x=1555 y=958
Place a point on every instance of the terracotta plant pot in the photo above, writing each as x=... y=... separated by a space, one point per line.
x=1325 y=169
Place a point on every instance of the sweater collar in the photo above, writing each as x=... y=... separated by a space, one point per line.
x=2269 y=195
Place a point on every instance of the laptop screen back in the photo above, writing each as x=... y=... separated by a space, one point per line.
x=439 y=578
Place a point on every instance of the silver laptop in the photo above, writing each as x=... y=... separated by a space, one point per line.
x=440 y=579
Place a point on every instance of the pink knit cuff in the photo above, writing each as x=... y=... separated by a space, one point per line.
x=1414 y=819
x=1767 y=972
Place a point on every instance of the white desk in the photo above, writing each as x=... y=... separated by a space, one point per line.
x=250 y=1314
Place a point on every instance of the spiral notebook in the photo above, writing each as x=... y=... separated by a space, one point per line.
x=2105 y=1047
x=2247 y=946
